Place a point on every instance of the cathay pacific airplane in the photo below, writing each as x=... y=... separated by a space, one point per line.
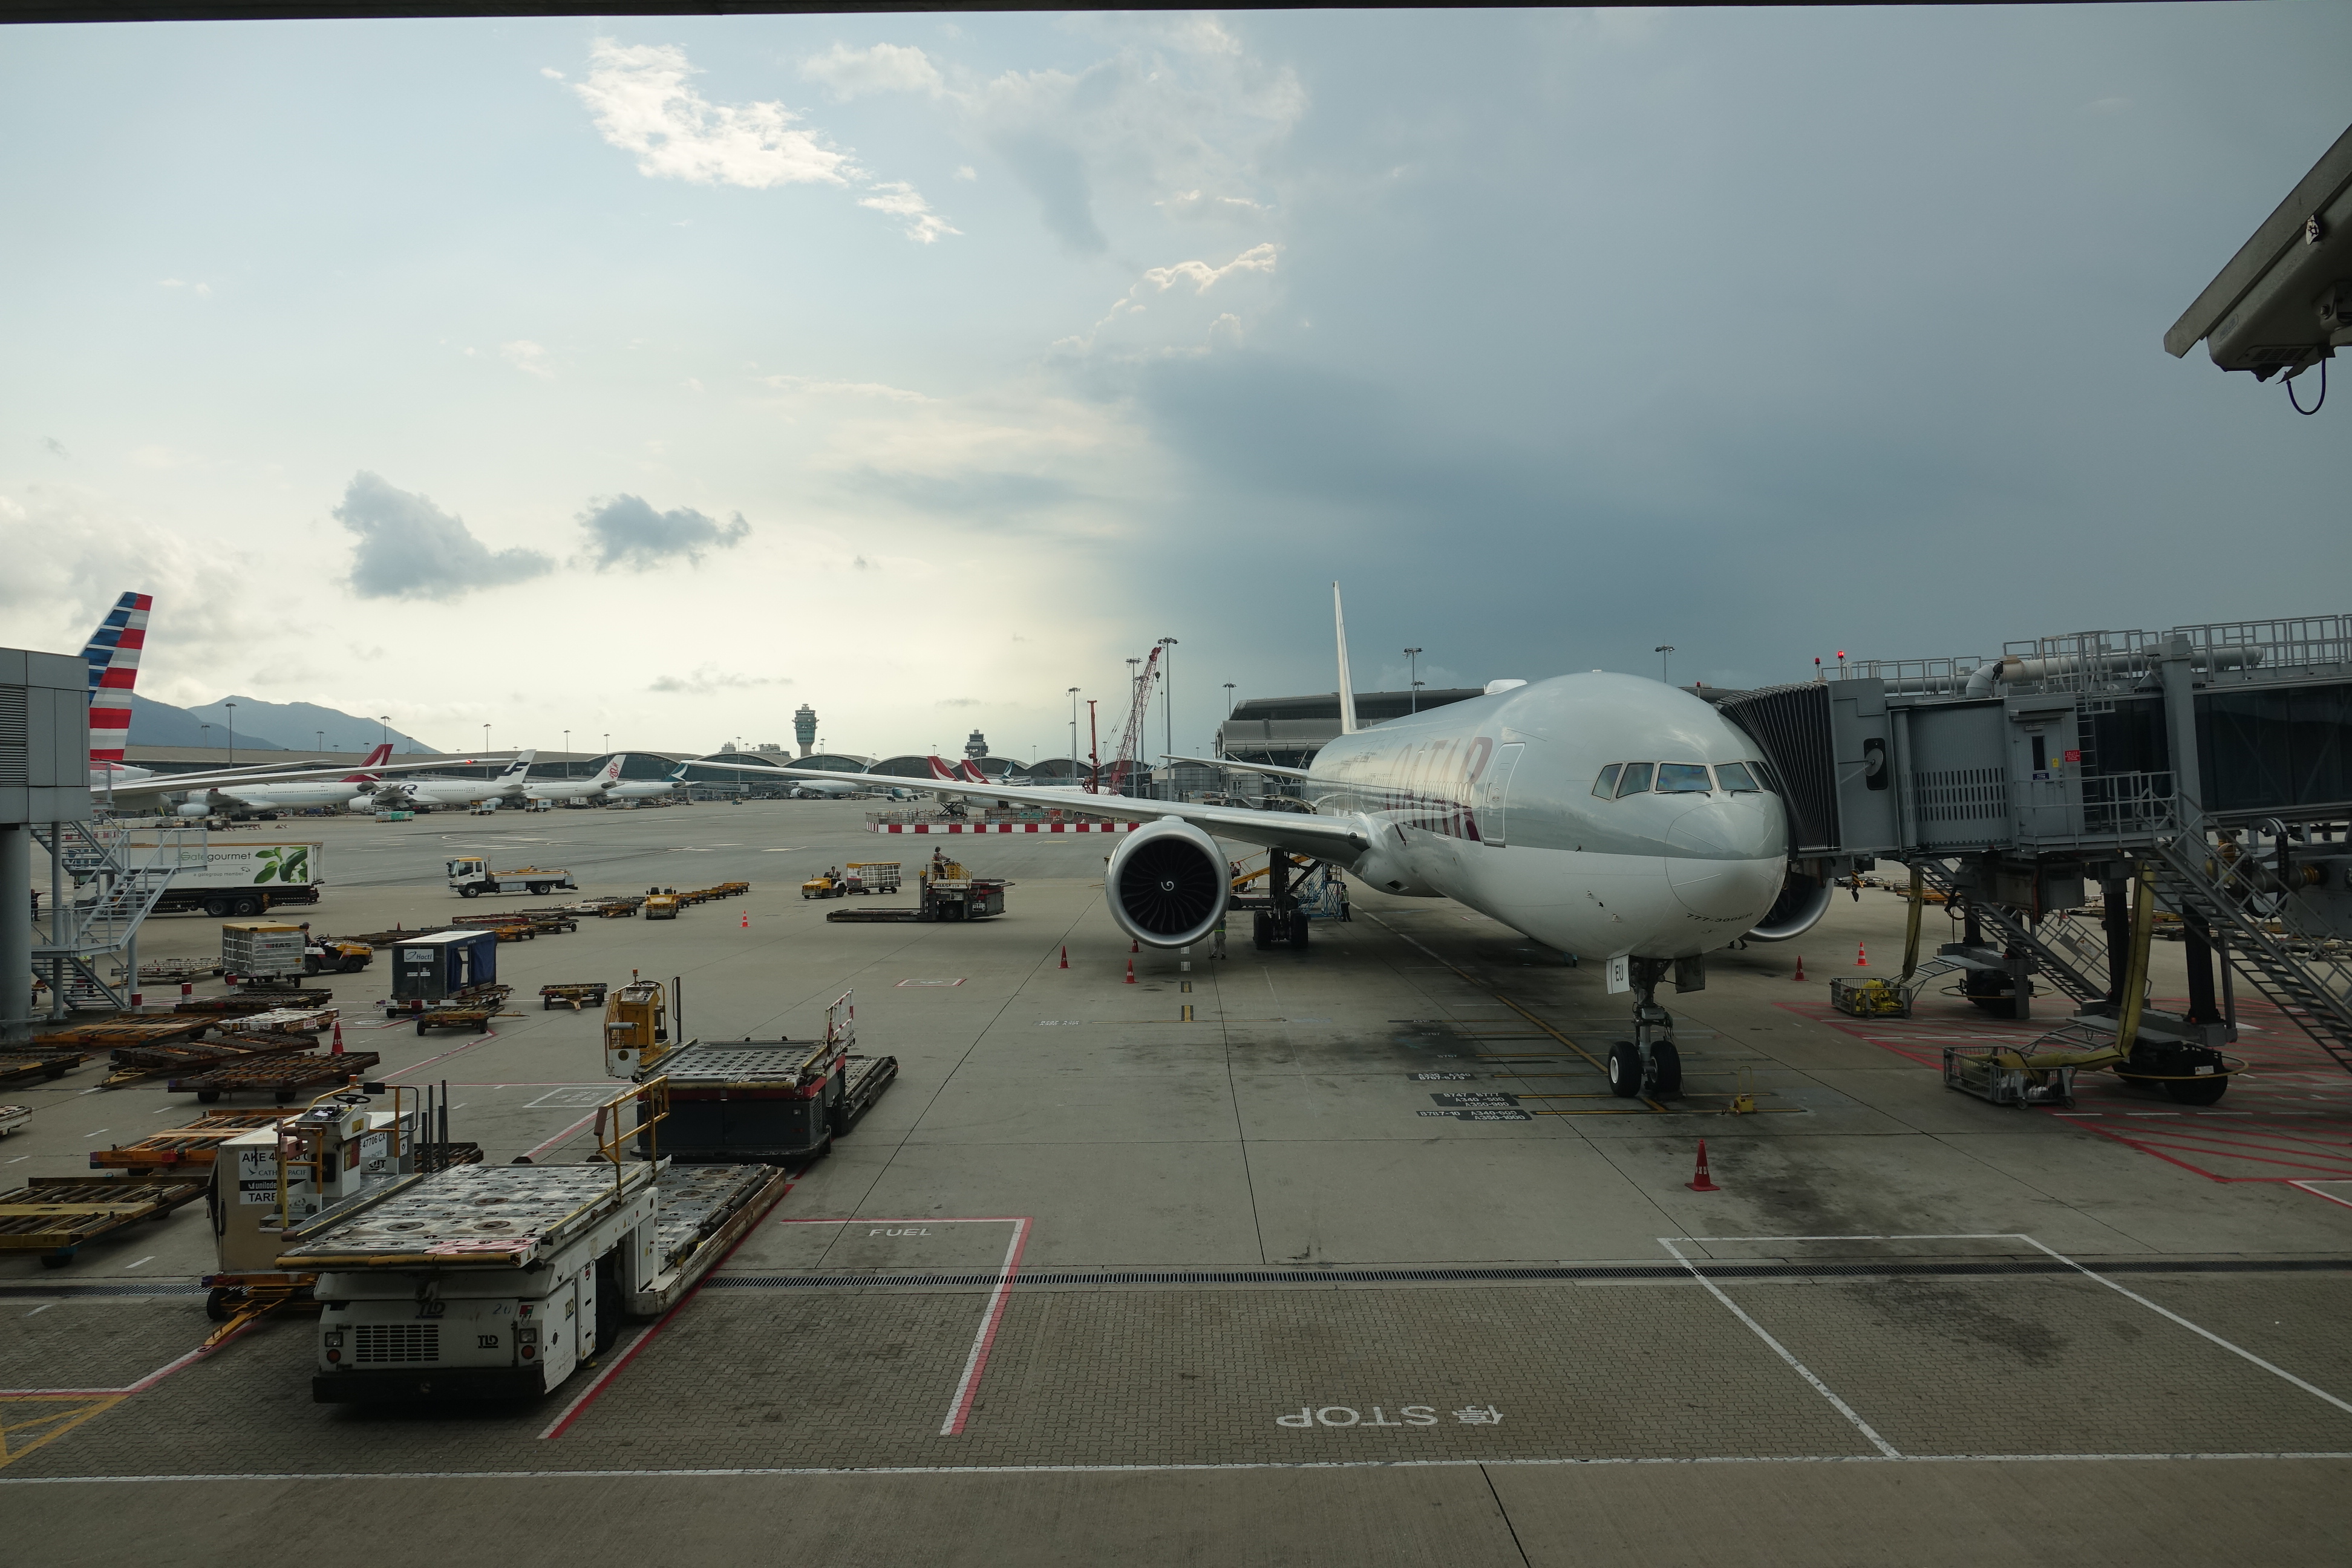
x=1606 y=815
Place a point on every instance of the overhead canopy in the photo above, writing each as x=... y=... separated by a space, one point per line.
x=2285 y=299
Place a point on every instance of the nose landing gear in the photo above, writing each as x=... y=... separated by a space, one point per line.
x=1647 y=1067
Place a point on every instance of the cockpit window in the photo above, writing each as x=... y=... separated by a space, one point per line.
x=1605 y=787
x=1683 y=778
x=1765 y=776
x=1735 y=777
x=1636 y=780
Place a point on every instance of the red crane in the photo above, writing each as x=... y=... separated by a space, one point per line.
x=1128 y=759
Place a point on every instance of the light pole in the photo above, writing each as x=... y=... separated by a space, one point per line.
x=1413 y=679
x=1073 y=734
x=322 y=738
x=232 y=733
x=384 y=728
x=1166 y=661
x=1665 y=651
x=486 y=737
x=1229 y=718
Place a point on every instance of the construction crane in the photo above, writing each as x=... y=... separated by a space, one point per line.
x=1128 y=758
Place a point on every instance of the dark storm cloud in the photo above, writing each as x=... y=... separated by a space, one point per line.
x=626 y=531
x=410 y=549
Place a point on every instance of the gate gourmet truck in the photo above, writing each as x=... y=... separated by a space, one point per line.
x=246 y=878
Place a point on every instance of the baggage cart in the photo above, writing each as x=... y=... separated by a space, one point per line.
x=57 y=1216
x=179 y=1148
x=574 y=995
x=282 y=1076
x=31 y=1067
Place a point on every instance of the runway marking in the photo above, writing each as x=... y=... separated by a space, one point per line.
x=984 y=1338
x=1800 y=1368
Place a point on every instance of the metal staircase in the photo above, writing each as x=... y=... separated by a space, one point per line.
x=114 y=887
x=2237 y=896
x=2060 y=950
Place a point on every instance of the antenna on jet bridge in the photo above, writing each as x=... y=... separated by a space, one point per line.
x=1347 y=688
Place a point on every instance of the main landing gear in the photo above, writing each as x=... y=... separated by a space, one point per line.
x=1647 y=1067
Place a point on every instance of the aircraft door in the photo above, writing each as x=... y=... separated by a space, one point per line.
x=1494 y=792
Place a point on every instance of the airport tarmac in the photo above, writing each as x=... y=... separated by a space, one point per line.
x=1097 y=1282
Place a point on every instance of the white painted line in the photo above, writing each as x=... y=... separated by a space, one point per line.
x=275 y=1476
x=2309 y=1388
x=1881 y=1444
x=968 y=1387
x=148 y=1258
x=613 y=1363
x=2310 y=1187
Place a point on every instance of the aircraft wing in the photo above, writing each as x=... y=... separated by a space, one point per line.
x=173 y=783
x=1266 y=768
x=1324 y=837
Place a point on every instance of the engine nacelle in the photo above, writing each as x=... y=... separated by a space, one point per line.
x=192 y=808
x=1168 y=884
x=1799 y=908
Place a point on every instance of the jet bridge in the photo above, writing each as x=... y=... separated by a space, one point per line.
x=2208 y=768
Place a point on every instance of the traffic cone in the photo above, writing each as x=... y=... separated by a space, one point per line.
x=1700 y=1181
x=1861 y=956
x=339 y=1039
x=747 y=920
x=1133 y=946
x=187 y=989
x=1130 y=972
x=1066 y=958
x=1801 y=967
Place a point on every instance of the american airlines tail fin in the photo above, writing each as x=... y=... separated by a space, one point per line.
x=112 y=655
x=1347 y=688
x=375 y=759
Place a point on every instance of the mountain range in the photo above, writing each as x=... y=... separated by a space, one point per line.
x=263 y=727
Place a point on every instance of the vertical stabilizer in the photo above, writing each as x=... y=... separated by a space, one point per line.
x=113 y=659
x=1347 y=687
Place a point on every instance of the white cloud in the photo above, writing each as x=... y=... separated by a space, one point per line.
x=525 y=355
x=901 y=200
x=645 y=105
x=885 y=68
x=1196 y=207
x=966 y=171
x=199 y=290
x=707 y=680
x=842 y=388
x=1158 y=280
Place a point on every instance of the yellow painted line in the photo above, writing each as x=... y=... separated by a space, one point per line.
x=21 y=1431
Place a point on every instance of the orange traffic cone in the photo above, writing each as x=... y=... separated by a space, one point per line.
x=1130 y=972
x=339 y=1039
x=1066 y=958
x=1861 y=956
x=1700 y=1181
x=1134 y=946
x=1801 y=967
x=747 y=920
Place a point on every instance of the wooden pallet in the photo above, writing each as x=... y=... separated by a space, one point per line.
x=282 y=1075
x=194 y=1145
x=30 y=1067
x=135 y=1063
x=56 y=1215
x=130 y=1029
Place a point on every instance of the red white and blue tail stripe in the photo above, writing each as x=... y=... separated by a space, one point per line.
x=113 y=659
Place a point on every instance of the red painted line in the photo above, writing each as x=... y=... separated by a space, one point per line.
x=589 y=1395
x=533 y=1151
x=969 y=1390
x=142 y=1386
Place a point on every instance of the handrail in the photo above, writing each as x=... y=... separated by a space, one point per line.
x=655 y=1094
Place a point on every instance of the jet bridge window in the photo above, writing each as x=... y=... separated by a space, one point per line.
x=1735 y=777
x=1605 y=787
x=1683 y=778
x=1635 y=781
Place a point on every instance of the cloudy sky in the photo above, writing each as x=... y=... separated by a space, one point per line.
x=654 y=376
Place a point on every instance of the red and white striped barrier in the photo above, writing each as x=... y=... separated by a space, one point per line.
x=1001 y=826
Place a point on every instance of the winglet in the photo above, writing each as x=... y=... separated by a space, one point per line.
x=1347 y=688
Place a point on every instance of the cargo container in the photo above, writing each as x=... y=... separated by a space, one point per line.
x=260 y=948
x=433 y=968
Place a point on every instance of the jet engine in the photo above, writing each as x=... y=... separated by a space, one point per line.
x=192 y=808
x=1168 y=884
x=1799 y=908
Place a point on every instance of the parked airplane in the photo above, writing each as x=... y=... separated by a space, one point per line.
x=507 y=786
x=596 y=786
x=234 y=798
x=1606 y=815
x=113 y=656
x=651 y=789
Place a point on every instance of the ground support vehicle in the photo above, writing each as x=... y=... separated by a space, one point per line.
x=242 y=877
x=574 y=995
x=470 y=876
x=953 y=895
x=409 y=1007
x=824 y=885
x=281 y=1076
x=56 y=1215
x=181 y=1148
x=540 y=922
x=263 y=949
x=469 y=1014
x=663 y=906
x=333 y=955
x=443 y=965
x=777 y=1101
x=637 y=1028
x=426 y=1301
x=13 y=1117
x=30 y=1067
x=874 y=876
x=718 y=890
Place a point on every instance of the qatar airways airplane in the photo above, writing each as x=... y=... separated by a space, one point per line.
x=1606 y=815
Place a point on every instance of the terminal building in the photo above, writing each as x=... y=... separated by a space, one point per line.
x=1286 y=731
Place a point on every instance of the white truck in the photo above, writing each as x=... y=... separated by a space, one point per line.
x=471 y=876
x=496 y=1281
x=245 y=878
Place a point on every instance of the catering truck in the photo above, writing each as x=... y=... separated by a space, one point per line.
x=245 y=878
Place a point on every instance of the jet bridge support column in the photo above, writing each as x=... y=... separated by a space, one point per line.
x=16 y=930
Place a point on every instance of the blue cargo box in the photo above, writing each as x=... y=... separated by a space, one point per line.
x=428 y=968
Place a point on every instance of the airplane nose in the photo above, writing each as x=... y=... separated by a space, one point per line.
x=1732 y=859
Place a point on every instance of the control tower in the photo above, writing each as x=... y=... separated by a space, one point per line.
x=805 y=729
x=976 y=747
